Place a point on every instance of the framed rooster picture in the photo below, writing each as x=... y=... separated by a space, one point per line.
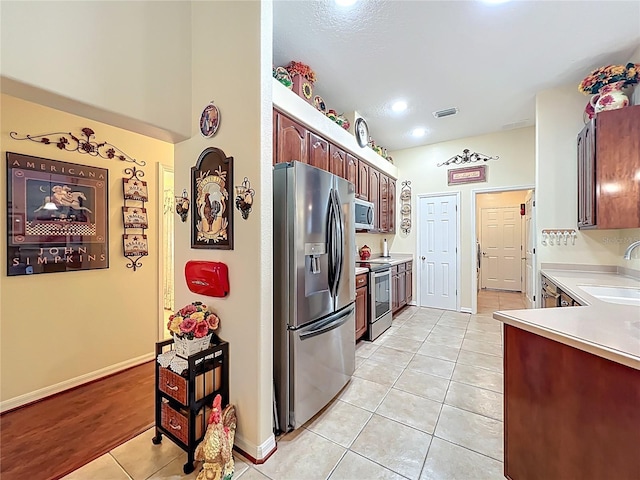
x=212 y=218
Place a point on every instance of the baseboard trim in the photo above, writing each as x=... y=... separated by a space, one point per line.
x=465 y=310
x=37 y=395
x=262 y=452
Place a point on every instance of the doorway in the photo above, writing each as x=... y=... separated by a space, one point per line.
x=438 y=226
x=503 y=235
x=166 y=215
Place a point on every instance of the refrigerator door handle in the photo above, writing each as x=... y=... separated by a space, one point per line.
x=340 y=238
x=331 y=323
x=331 y=233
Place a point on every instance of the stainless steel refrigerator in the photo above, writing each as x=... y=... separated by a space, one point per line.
x=314 y=289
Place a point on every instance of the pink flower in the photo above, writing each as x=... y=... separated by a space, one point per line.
x=201 y=330
x=213 y=321
x=187 y=325
x=189 y=309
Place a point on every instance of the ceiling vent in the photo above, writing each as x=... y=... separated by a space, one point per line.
x=445 y=113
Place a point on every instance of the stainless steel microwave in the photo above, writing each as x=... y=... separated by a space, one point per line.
x=364 y=214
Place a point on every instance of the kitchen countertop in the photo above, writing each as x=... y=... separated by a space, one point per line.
x=394 y=259
x=609 y=330
x=360 y=270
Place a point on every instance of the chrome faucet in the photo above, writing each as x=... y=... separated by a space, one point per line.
x=627 y=252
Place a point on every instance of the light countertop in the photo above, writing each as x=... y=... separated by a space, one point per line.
x=394 y=259
x=608 y=330
x=360 y=270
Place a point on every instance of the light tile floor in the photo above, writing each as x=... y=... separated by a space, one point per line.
x=425 y=402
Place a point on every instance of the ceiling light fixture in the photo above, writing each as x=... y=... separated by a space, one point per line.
x=495 y=2
x=445 y=113
x=418 y=132
x=399 y=106
x=345 y=3
x=467 y=157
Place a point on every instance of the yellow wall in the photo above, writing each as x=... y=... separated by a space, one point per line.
x=59 y=326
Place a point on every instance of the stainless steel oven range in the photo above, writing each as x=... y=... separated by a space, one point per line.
x=379 y=299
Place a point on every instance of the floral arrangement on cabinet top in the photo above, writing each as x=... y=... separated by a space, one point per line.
x=606 y=84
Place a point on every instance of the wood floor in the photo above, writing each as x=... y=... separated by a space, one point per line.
x=51 y=438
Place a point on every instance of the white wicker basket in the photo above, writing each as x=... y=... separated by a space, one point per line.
x=185 y=347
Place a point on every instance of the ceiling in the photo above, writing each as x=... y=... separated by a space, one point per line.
x=488 y=60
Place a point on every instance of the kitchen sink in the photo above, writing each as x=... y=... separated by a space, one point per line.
x=621 y=295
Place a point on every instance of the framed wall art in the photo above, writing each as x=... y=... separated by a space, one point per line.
x=57 y=218
x=209 y=120
x=212 y=219
x=135 y=217
x=475 y=174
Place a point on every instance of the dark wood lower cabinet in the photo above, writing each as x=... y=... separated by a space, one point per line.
x=568 y=414
x=401 y=285
x=362 y=304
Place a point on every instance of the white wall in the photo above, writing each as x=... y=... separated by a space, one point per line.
x=123 y=63
x=239 y=81
x=558 y=122
x=514 y=168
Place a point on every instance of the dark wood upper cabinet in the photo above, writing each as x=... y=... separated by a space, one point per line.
x=383 y=226
x=291 y=141
x=362 y=187
x=318 y=152
x=392 y=205
x=608 y=162
x=374 y=196
x=351 y=170
x=337 y=160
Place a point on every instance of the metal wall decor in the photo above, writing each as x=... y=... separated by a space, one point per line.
x=244 y=198
x=405 y=209
x=467 y=157
x=182 y=205
x=135 y=245
x=209 y=120
x=71 y=143
x=212 y=219
x=57 y=216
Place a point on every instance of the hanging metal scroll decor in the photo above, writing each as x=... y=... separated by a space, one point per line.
x=405 y=209
x=71 y=143
x=212 y=219
x=134 y=240
x=468 y=157
x=244 y=198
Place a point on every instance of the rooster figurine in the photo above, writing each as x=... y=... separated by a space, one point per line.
x=216 y=448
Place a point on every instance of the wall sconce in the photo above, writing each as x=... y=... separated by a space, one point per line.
x=244 y=198
x=182 y=205
x=467 y=157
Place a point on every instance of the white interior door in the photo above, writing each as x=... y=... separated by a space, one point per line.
x=501 y=242
x=529 y=249
x=437 y=256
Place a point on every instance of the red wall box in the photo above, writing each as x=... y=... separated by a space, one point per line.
x=207 y=278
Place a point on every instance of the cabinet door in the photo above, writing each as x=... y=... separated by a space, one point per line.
x=318 y=152
x=392 y=205
x=337 y=160
x=402 y=289
x=292 y=141
x=617 y=163
x=363 y=180
x=361 y=312
x=374 y=189
x=586 y=177
x=394 y=292
x=351 y=171
x=409 y=282
x=384 y=204
x=274 y=129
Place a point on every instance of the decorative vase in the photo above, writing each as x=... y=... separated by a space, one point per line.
x=303 y=88
x=611 y=97
x=365 y=253
x=185 y=347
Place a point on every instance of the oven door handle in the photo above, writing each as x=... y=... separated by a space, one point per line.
x=331 y=323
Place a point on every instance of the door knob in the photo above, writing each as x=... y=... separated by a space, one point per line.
x=423 y=258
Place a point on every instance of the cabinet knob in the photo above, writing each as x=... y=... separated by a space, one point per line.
x=423 y=258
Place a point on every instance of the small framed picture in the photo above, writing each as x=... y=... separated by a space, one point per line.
x=135 y=189
x=467 y=175
x=209 y=120
x=135 y=245
x=135 y=217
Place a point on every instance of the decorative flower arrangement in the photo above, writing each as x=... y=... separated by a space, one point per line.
x=298 y=68
x=628 y=74
x=193 y=321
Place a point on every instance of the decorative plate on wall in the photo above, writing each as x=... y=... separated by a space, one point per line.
x=362 y=132
x=209 y=120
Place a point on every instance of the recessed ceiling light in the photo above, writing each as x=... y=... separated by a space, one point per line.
x=399 y=106
x=494 y=2
x=345 y=3
x=418 y=132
